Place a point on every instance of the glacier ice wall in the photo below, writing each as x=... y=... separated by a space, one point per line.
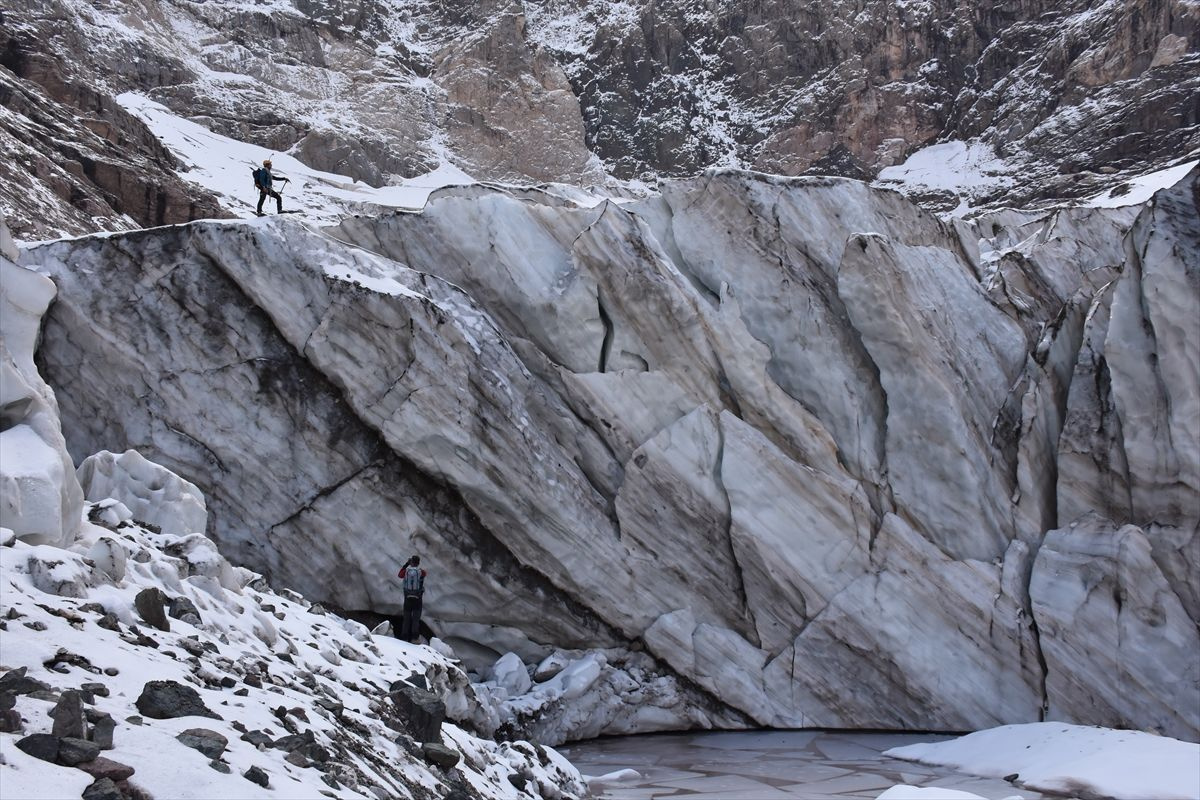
x=829 y=459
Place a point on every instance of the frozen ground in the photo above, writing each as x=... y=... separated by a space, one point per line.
x=772 y=765
x=968 y=170
x=1073 y=759
x=1005 y=763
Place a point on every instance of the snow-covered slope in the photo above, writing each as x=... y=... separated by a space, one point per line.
x=223 y=167
x=313 y=701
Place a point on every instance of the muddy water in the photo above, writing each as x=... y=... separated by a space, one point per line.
x=770 y=765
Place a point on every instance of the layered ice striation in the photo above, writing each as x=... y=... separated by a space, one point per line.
x=784 y=452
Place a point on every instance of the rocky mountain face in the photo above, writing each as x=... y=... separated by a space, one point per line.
x=1068 y=94
x=796 y=86
x=796 y=449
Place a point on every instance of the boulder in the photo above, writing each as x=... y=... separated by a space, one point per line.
x=181 y=608
x=16 y=681
x=68 y=715
x=72 y=751
x=169 y=699
x=101 y=767
x=10 y=721
x=441 y=755
x=103 y=789
x=149 y=604
x=422 y=712
x=259 y=776
x=109 y=558
x=40 y=745
x=102 y=728
x=208 y=742
x=258 y=739
x=550 y=666
x=58 y=572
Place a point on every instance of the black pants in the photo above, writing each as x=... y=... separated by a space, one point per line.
x=410 y=623
x=262 y=198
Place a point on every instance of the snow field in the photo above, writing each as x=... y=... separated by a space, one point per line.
x=1070 y=759
x=300 y=657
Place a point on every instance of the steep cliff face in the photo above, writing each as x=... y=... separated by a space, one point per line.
x=832 y=87
x=1065 y=95
x=827 y=458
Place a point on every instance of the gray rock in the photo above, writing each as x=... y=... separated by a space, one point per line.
x=294 y=742
x=257 y=738
x=421 y=711
x=72 y=751
x=17 y=682
x=10 y=721
x=101 y=767
x=149 y=604
x=441 y=755
x=169 y=699
x=259 y=776
x=93 y=690
x=305 y=744
x=40 y=745
x=102 y=728
x=68 y=715
x=208 y=742
x=220 y=766
x=332 y=706
x=103 y=789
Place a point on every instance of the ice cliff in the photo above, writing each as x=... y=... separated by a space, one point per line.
x=138 y=662
x=788 y=452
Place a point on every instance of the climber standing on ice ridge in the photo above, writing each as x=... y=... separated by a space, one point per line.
x=262 y=181
x=414 y=588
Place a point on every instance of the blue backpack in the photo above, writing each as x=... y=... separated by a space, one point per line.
x=413 y=582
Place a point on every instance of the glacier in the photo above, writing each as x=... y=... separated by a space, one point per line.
x=748 y=451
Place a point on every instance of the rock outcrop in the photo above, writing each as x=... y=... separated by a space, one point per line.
x=799 y=440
